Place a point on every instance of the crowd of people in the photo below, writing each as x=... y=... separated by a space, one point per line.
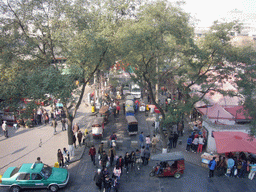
x=109 y=160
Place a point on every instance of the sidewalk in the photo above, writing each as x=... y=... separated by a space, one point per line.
x=24 y=145
x=190 y=157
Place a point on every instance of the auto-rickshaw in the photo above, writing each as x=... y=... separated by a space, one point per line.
x=104 y=111
x=132 y=125
x=97 y=127
x=171 y=164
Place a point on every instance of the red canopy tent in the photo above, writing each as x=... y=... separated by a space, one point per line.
x=234 y=142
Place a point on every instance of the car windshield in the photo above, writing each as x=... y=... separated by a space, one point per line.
x=14 y=171
x=46 y=171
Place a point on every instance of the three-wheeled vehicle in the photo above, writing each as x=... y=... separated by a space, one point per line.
x=104 y=111
x=171 y=164
x=132 y=125
x=98 y=127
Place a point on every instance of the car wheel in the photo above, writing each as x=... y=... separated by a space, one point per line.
x=15 y=189
x=53 y=188
x=152 y=174
x=177 y=175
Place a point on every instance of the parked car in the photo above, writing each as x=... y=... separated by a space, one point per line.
x=36 y=175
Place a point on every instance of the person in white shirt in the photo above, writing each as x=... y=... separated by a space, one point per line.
x=195 y=144
x=200 y=144
x=5 y=129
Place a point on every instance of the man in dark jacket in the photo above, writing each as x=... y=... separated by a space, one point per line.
x=98 y=178
x=120 y=163
x=175 y=139
x=104 y=159
x=146 y=156
x=92 y=153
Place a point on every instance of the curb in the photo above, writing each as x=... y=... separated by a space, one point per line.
x=79 y=157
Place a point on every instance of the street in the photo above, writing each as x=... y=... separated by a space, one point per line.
x=195 y=177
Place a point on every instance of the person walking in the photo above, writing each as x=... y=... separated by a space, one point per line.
x=175 y=139
x=117 y=172
x=127 y=161
x=171 y=137
x=195 y=144
x=104 y=159
x=74 y=140
x=146 y=156
x=231 y=164
x=200 y=144
x=243 y=169
x=252 y=172
x=148 y=141
x=111 y=155
x=98 y=178
x=101 y=149
x=54 y=125
x=5 y=129
x=107 y=183
x=142 y=155
x=60 y=158
x=141 y=139
x=124 y=108
x=75 y=129
x=180 y=129
x=113 y=139
x=189 y=143
x=66 y=155
x=92 y=153
x=212 y=165
x=63 y=123
x=154 y=142
x=79 y=137
x=132 y=160
x=120 y=162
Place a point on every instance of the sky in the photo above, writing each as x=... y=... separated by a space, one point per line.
x=208 y=11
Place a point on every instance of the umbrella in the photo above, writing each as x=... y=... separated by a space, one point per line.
x=234 y=142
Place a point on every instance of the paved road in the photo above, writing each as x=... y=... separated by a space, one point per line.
x=194 y=179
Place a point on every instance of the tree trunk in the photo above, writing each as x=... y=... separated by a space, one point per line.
x=70 y=135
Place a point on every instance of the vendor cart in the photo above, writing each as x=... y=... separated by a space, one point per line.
x=104 y=111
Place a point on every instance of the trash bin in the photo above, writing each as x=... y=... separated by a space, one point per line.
x=93 y=109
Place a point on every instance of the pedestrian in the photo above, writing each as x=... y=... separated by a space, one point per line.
x=253 y=171
x=74 y=140
x=105 y=172
x=148 y=141
x=107 y=184
x=54 y=125
x=127 y=161
x=132 y=160
x=98 y=178
x=103 y=159
x=75 y=129
x=66 y=155
x=124 y=108
x=212 y=165
x=243 y=169
x=175 y=139
x=221 y=166
x=195 y=144
x=120 y=162
x=117 y=172
x=63 y=123
x=117 y=110
x=39 y=116
x=141 y=139
x=60 y=158
x=38 y=160
x=101 y=149
x=113 y=139
x=45 y=117
x=5 y=129
x=146 y=156
x=171 y=137
x=189 y=143
x=180 y=129
x=92 y=153
x=155 y=140
x=111 y=155
x=142 y=155
x=114 y=111
x=115 y=184
x=200 y=144
x=79 y=137
x=231 y=164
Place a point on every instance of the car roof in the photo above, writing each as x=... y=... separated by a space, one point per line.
x=27 y=167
